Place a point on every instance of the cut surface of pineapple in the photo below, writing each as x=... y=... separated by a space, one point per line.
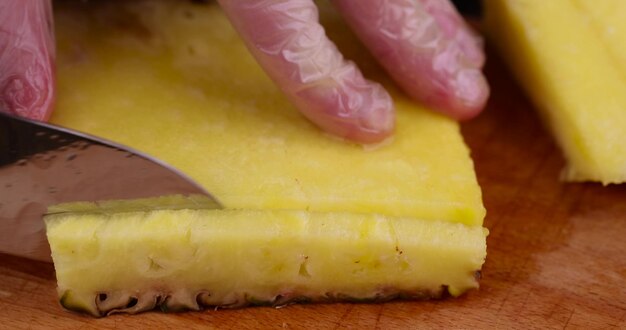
x=189 y=93
x=568 y=56
x=307 y=217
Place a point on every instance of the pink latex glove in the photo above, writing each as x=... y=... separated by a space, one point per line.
x=424 y=44
x=27 y=86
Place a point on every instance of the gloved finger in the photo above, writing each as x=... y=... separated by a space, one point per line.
x=427 y=48
x=27 y=51
x=290 y=44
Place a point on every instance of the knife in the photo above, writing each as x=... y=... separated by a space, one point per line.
x=43 y=165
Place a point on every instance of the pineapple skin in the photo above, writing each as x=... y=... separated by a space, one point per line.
x=191 y=259
x=571 y=68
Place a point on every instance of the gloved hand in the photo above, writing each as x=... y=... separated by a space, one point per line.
x=27 y=86
x=424 y=45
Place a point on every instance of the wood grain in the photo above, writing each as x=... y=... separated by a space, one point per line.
x=556 y=252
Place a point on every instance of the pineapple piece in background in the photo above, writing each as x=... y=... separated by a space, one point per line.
x=570 y=62
x=607 y=18
x=400 y=219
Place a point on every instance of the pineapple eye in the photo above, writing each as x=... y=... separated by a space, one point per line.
x=132 y=302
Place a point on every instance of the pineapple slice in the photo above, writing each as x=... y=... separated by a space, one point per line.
x=307 y=216
x=571 y=62
x=189 y=259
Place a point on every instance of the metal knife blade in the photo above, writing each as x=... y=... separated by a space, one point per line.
x=43 y=164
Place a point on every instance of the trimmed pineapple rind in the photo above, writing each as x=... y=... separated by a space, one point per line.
x=104 y=304
x=190 y=259
x=570 y=72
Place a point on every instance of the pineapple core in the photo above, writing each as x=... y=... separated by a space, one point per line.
x=307 y=217
x=570 y=56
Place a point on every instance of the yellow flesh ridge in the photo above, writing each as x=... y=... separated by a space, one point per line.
x=570 y=56
x=188 y=92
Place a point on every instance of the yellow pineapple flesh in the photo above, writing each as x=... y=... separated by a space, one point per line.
x=189 y=259
x=570 y=57
x=306 y=217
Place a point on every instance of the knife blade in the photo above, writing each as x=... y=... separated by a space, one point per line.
x=43 y=165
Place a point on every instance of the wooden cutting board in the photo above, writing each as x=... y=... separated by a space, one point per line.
x=556 y=252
